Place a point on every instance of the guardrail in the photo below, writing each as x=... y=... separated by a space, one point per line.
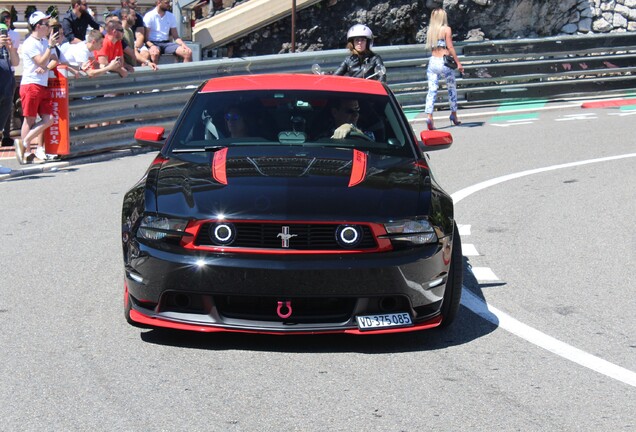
x=494 y=72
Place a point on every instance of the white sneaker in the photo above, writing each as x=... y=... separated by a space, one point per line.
x=39 y=153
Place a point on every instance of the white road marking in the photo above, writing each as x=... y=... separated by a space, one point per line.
x=469 y=250
x=516 y=111
x=515 y=327
x=521 y=120
x=623 y=114
x=511 y=124
x=484 y=274
x=464 y=230
x=463 y=193
x=582 y=116
x=506 y=322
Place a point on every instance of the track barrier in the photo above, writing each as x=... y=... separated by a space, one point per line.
x=105 y=111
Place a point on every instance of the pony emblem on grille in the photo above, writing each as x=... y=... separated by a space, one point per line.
x=285 y=236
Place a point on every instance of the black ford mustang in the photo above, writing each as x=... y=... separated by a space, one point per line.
x=291 y=204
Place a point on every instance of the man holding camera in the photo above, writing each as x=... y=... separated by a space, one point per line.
x=37 y=51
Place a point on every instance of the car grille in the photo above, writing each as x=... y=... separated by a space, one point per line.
x=266 y=235
x=305 y=310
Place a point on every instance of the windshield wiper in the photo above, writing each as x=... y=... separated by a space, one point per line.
x=198 y=149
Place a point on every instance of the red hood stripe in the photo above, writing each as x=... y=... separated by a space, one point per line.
x=359 y=168
x=218 y=166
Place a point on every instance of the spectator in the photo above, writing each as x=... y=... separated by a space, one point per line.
x=61 y=58
x=81 y=55
x=76 y=22
x=128 y=50
x=37 y=52
x=216 y=6
x=112 y=49
x=9 y=58
x=138 y=28
x=127 y=20
x=439 y=39
x=361 y=61
x=7 y=103
x=132 y=55
x=161 y=25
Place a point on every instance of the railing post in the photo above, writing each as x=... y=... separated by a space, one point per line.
x=57 y=138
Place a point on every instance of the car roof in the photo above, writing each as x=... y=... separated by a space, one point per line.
x=294 y=82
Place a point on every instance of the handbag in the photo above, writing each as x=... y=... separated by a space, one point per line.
x=449 y=62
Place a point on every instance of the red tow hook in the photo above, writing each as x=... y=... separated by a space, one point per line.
x=281 y=305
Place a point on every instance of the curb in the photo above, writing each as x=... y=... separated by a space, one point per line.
x=55 y=166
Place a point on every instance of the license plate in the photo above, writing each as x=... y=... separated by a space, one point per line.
x=371 y=322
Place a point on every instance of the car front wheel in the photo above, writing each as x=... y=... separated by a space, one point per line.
x=453 y=293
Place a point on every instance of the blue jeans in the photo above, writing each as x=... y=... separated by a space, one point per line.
x=435 y=71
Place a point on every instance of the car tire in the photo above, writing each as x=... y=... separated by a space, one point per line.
x=453 y=293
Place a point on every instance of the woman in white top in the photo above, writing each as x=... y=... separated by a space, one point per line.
x=439 y=39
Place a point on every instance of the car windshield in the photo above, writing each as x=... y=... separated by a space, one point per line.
x=299 y=118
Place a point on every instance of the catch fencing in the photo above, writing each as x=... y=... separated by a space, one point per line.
x=105 y=111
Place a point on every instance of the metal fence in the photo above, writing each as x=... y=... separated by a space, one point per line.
x=105 y=111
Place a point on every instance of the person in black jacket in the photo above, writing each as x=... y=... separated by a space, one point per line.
x=76 y=21
x=9 y=59
x=362 y=62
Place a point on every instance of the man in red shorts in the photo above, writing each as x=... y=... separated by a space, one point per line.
x=37 y=50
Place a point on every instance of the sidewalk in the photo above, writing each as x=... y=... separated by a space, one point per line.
x=8 y=160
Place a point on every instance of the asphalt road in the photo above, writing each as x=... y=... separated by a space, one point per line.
x=551 y=252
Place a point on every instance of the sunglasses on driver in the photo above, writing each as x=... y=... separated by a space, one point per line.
x=232 y=117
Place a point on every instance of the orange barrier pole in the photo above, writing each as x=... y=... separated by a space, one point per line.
x=57 y=137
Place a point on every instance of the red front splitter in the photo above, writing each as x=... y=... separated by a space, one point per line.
x=163 y=323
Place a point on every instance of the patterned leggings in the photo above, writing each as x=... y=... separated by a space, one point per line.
x=436 y=69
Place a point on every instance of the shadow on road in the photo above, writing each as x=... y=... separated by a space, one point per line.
x=464 y=124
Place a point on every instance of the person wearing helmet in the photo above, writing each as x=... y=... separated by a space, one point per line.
x=362 y=62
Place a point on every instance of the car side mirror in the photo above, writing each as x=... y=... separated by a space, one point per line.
x=435 y=140
x=150 y=136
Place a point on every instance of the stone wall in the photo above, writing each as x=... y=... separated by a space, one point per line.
x=402 y=22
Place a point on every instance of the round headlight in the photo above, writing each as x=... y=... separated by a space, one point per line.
x=348 y=236
x=222 y=234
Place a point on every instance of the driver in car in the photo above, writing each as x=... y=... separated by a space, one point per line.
x=346 y=113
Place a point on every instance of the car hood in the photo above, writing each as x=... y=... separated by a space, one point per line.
x=288 y=183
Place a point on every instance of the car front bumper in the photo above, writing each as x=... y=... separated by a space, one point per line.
x=218 y=292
